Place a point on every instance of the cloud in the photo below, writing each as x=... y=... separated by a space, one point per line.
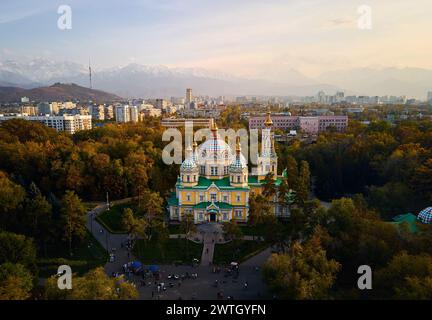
x=340 y=23
x=17 y=16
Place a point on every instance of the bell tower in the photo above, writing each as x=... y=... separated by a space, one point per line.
x=238 y=169
x=267 y=161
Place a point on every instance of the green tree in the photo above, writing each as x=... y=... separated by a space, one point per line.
x=422 y=179
x=187 y=226
x=37 y=218
x=273 y=231
x=292 y=172
x=95 y=285
x=259 y=206
x=232 y=231
x=304 y=183
x=11 y=196
x=136 y=227
x=304 y=272
x=73 y=218
x=269 y=187
x=405 y=277
x=151 y=207
x=17 y=249
x=16 y=282
x=151 y=204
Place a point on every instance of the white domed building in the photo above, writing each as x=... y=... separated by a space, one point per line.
x=214 y=183
x=425 y=216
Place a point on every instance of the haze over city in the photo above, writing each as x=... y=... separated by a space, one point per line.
x=289 y=42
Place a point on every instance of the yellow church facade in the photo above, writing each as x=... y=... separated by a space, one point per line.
x=214 y=183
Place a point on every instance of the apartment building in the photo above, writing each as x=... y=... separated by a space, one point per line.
x=310 y=125
x=66 y=123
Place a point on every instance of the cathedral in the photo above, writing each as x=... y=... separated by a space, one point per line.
x=215 y=184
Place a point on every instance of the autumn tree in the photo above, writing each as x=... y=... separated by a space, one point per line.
x=405 y=277
x=136 y=227
x=11 y=197
x=17 y=249
x=304 y=272
x=16 y=282
x=73 y=217
x=94 y=285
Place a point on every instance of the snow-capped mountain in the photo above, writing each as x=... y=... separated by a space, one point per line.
x=41 y=70
x=135 y=80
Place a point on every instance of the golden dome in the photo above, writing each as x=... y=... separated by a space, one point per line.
x=268 y=122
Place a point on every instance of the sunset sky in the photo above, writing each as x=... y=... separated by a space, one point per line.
x=242 y=37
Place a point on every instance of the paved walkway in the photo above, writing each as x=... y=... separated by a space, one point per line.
x=108 y=240
x=202 y=288
x=210 y=233
x=208 y=249
x=111 y=242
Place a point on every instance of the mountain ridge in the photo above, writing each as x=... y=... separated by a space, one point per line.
x=56 y=92
x=156 y=81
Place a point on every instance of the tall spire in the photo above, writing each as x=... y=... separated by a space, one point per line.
x=238 y=147
x=213 y=126
x=195 y=151
x=188 y=152
x=214 y=130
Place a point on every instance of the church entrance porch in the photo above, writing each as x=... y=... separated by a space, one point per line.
x=212 y=217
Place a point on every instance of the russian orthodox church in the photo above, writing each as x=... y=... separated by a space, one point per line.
x=215 y=184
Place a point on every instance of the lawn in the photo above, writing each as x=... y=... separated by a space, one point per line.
x=237 y=251
x=249 y=231
x=174 y=229
x=112 y=218
x=87 y=256
x=90 y=205
x=171 y=251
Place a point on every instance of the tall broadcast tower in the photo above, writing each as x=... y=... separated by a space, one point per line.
x=90 y=75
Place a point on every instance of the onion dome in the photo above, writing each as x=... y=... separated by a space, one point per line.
x=425 y=216
x=239 y=162
x=189 y=163
x=214 y=148
x=268 y=122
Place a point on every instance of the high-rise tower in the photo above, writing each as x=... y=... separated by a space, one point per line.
x=188 y=96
